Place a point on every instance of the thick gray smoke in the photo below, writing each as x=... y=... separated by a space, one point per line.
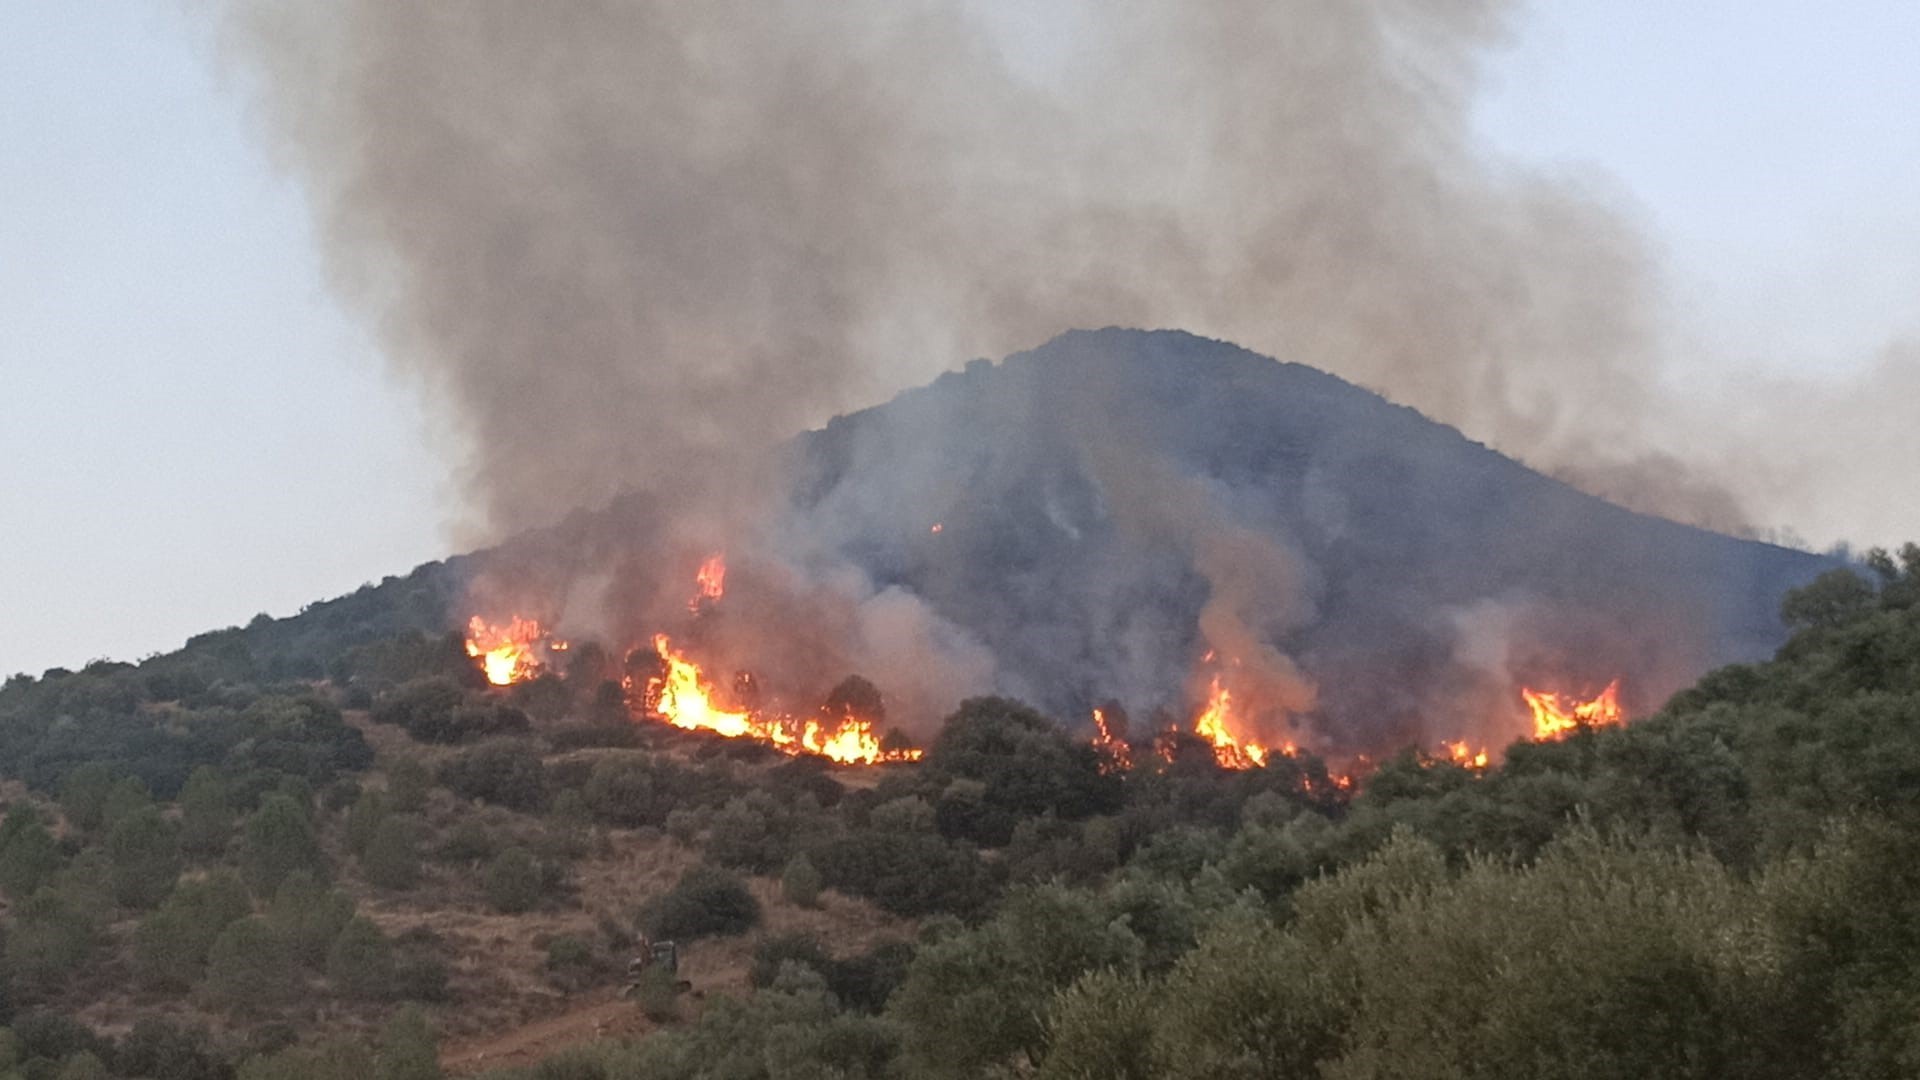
x=629 y=243
x=633 y=245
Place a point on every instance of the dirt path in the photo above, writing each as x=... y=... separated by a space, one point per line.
x=600 y=1015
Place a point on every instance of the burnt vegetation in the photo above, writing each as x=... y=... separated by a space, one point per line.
x=1723 y=888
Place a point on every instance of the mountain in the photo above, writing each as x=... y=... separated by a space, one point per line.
x=1086 y=522
x=1425 y=573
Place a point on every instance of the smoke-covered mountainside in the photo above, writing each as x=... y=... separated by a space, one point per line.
x=1407 y=570
x=1132 y=518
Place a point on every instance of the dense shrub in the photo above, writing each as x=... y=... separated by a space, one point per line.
x=250 y=969
x=306 y=916
x=163 y=1050
x=800 y=882
x=170 y=946
x=29 y=856
x=642 y=789
x=1019 y=764
x=422 y=708
x=360 y=962
x=906 y=873
x=277 y=840
x=707 y=901
x=507 y=774
x=392 y=857
x=515 y=881
x=144 y=850
x=51 y=939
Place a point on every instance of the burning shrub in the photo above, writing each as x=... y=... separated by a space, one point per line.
x=708 y=901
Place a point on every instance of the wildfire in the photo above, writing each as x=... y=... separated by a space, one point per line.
x=710 y=583
x=511 y=653
x=1555 y=715
x=1461 y=754
x=683 y=697
x=1216 y=725
x=1115 y=754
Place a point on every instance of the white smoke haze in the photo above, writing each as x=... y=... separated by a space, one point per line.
x=635 y=245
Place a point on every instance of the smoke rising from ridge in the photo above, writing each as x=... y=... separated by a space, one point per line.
x=636 y=245
x=630 y=244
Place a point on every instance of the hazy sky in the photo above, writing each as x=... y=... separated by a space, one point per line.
x=191 y=431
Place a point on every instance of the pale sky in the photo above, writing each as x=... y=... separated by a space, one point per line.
x=192 y=431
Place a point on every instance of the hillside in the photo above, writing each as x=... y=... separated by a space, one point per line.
x=1076 y=487
x=325 y=846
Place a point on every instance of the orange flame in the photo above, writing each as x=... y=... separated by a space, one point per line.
x=1460 y=754
x=511 y=653
x=1216 y=724
x=710 y=583
x=684 y=698
x=1555 y=715
x=1115 y=754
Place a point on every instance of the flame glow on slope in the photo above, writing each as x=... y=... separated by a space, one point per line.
x=684 y=697
x=512 y=652
x=1217 y=724
x=1555 y=715
x=710 y=583
x=1461 y=754
x=1115 y=754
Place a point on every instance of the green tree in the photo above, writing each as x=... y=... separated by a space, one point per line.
x=507 y=774
x=278 y=840
x=307 y=916
x=83 y=1066
x=409 y=1050
x=144 y=850
x=707 y=901
x=51 y=939
x=1831 y=600
x=250 y=969
x=514 y=881
x=364 y=819
x=392 y=857
x=83 y=794
x=29 y=855
x=335 y=1059
x=800 y=882
x=975 y=1001
x=360 y=964
x=1101 y=1028
x=170 y=945
x=206 y=813
x=408 y=782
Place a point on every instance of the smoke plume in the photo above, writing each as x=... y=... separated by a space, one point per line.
x=632 y=243
x=635 y=245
